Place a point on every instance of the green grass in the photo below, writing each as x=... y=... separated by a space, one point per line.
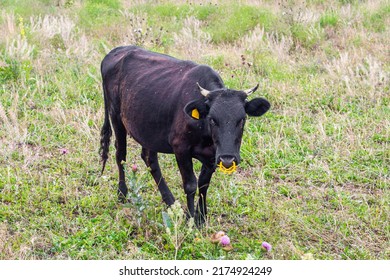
x=26 y=8
x=378 y=20
x=329 y=19
x=314 y=173
x=233 y=21
x=97 y=13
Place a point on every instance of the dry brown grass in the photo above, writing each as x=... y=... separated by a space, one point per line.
x=191 y=41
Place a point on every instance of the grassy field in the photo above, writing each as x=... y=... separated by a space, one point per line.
x=314 y=178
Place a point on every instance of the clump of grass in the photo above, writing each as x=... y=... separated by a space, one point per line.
x=300 y=24
x=306 y=37
x=191 y=40
x=9 y=71
x=16 y=130
x=20 y=49
x=49 y=26
x=368 y=73
x=258 y=40
x=329 y=19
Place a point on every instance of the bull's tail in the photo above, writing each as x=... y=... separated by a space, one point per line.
x=105 y=134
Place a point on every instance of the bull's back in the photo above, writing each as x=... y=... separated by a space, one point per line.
x=151 y=90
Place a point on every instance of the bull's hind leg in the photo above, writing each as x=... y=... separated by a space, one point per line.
x=151 y=161
x=120 y=145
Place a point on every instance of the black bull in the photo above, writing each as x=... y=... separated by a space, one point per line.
x=173 y=106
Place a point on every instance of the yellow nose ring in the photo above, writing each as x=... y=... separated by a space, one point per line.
x=229 y=170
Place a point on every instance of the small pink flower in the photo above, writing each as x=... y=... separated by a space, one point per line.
x=225 y=240
x=64 y=151
x=134 y=168
x=266 y=246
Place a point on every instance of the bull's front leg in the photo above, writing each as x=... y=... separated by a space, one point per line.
x=203 y=185
x=184 y=161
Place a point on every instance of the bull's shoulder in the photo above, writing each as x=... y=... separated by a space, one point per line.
x=201 y=69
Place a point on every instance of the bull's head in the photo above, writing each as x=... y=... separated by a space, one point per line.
x=224 y=112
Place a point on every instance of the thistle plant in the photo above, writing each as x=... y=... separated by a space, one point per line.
x=266 y=246
x=176 y=226
x=221 y=241
x=135 y=188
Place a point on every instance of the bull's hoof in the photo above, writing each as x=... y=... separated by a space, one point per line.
x=169 y=200
x=122 y=192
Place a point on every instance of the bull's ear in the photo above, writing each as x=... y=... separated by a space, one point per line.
x=197 y=109
x=257 y=107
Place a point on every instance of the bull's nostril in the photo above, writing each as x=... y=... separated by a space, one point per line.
x=227 y=161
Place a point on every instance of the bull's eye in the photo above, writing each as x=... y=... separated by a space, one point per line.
x=213 y=122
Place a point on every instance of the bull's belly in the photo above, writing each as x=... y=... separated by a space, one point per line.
x=156 y=147
x=157 y=142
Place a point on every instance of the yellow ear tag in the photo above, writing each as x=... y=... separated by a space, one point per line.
x=229 y=170
x=195 y=114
